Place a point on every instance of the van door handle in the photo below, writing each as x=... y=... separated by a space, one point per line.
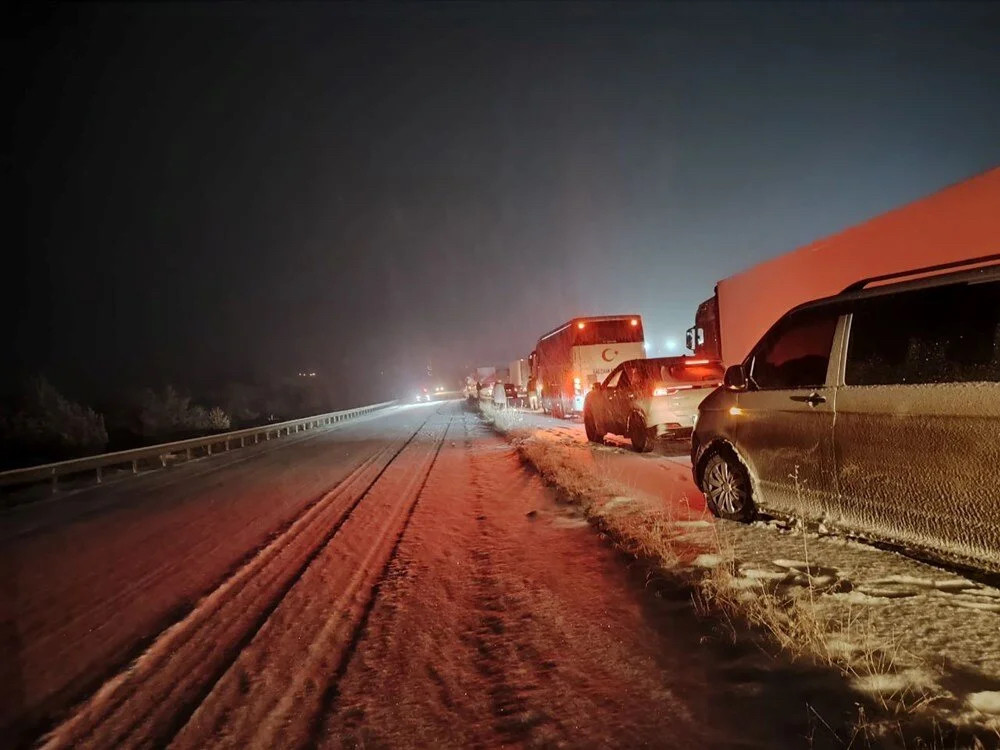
x=812 y=399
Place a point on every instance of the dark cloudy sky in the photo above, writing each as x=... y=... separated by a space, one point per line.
x=219 y=191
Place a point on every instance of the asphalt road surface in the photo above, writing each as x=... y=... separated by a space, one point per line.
x=398 y=581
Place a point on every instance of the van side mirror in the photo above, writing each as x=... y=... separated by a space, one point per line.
x=689 y=339
x=735 y=378
x=597 y=385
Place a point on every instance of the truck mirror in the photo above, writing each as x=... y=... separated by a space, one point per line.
x=689 y=339
x=596 y=386
x=735 y=379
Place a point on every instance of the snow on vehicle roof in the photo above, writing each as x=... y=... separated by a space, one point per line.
x=586 y=319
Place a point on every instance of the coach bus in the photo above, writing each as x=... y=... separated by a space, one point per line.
x=569 y=359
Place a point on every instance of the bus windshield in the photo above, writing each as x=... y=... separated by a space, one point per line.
x=608 y=332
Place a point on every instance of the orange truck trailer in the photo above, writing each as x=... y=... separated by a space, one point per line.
x=955 y=226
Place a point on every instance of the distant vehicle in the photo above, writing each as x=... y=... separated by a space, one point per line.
x=520 y=372
x=568 y=360
x=512 y=394
x=423 y=395
x=953 y=225
x=499 y=395
x=875 y=410
x=648 y=398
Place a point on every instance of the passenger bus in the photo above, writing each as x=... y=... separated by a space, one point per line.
x=568 y=360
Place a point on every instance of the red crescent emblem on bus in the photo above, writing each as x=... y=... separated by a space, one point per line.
x=606 y=358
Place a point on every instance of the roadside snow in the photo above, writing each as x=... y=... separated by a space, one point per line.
x=922 y=643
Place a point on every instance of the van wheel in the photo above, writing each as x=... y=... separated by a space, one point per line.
x=590 y=427
x=640 y=435
x=726 y=485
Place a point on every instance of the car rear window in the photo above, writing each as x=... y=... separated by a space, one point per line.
x=679 y=371
x=710 y=372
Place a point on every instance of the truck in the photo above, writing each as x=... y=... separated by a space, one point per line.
x=568 y=360
x=958 y=225
x=520 y=372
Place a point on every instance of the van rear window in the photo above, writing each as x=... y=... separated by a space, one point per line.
x=947 y=334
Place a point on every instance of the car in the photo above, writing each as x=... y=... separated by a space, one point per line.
x=511 y=394
x=423 y=395
x=643 y=399
x=876 y=410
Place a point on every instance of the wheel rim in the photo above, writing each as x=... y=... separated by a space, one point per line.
x=725 y=488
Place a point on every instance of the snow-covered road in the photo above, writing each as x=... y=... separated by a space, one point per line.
x=400 y=581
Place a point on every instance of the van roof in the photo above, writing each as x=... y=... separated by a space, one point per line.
x=919 y=279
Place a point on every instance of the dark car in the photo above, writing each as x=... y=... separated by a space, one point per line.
x=513 y=397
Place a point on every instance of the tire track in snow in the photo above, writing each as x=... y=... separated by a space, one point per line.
x=153 y=698
x=504 y=656
x=281 y=688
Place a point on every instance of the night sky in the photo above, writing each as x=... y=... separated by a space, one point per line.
x=220 y=192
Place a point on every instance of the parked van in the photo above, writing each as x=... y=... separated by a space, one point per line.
x=877 y=410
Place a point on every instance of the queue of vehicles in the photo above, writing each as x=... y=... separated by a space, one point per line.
x=855 y=381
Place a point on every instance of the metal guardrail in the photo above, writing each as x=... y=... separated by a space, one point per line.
x=164 y=451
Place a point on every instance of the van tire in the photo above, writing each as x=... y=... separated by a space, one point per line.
x=640 y=435
x=727 y=488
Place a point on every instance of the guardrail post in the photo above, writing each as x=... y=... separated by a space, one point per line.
x=99 y=479
x=135 y=466
x=208 y=449
x=243 y=441
x=226 y=441
x=55 y=482
x=163 y=460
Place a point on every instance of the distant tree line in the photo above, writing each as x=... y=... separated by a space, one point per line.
x=39 y=424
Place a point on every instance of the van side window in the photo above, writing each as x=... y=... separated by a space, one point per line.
x=796 y=352
x=613 y=379
x=947 y=334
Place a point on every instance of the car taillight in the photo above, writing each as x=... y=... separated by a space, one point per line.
x=662 y=390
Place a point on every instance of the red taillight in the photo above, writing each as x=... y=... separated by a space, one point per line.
x=580 y=325
x=634 y=322
x=696 y=362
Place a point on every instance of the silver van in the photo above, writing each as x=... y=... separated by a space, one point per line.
x=876 y=411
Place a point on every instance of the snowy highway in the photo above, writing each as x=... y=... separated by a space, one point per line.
x=402 y=580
